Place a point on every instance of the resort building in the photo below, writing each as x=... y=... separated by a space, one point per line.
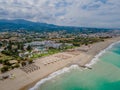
x=43 y=45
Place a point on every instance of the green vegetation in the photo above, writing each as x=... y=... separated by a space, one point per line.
x=43 y=27
x=52 y=51
x=4 y=69
x=83 y=40
x=12 y=49
x=14 y=45
x=29 y=48
x=4 y=58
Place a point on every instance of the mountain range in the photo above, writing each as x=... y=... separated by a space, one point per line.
x=20 y=24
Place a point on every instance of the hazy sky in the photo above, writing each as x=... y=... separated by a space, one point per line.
x=90 y=13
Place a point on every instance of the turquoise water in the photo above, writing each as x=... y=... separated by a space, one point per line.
x=105 y=75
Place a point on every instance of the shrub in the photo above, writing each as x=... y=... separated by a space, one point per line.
x=30 y=61
x=1 y=61
x=6 y=62
x=16 y=65
x=4 y=69
x=23 y=63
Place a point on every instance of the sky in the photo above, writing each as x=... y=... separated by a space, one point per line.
x=83 y=13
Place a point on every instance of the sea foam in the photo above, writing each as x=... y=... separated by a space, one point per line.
x=51 y=76
x=67 y=69
x=96 y=58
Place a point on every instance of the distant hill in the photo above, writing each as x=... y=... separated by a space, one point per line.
x=12 y=25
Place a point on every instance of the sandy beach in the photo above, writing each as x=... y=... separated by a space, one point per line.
x=27 y=77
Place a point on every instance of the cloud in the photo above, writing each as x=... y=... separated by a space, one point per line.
x=85 y=13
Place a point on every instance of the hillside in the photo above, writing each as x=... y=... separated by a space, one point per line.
x=11 y=25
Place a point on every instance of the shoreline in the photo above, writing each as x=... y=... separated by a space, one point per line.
x=27 y=81
x=89 y=61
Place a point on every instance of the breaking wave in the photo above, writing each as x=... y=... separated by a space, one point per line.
x=96 y=58
x=66 y=69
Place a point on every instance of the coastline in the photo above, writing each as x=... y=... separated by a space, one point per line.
x=29 y=80
x=106 y=44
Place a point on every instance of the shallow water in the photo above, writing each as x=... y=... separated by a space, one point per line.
x=105 y=75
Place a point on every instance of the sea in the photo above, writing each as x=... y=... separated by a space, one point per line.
x=104 y=75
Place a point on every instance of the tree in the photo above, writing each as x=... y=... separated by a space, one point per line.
x=9 y=47
x=6 y=62
x=23 y=63
x=4 y=69
x=1 y=61
x=0 y=44
x=29 y=48
x=16 y=65
x=20 y=46
x=30 y=61
x=6 y=52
